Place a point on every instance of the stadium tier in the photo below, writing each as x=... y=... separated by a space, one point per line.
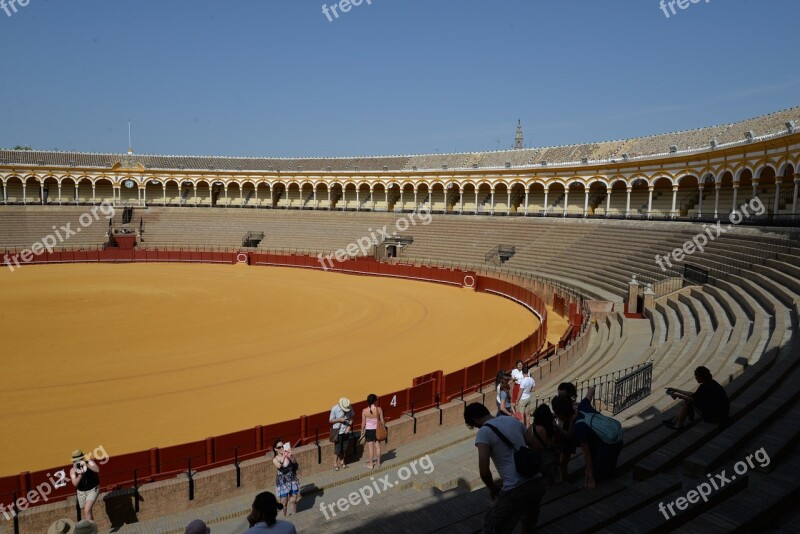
x=695 y=174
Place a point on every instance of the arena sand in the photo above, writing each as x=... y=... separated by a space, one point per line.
x=134 y=356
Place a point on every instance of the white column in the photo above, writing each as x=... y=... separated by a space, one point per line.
x=59 y=193
x=628 y=203
x=673 y=213
x=164 y=191
x=777 y=196
x=402 y=198
x=460 y=200
x=272 y=196
x=586 y=203
x=527 y=192
x=415 y=199
x=735 y=195
x=717 y=187
x=700 y=206
x=386 y=196
x=226 y=195
x=241 y=195
x=329 y=197
x=476 y=201
x=566 y=201
x=358 y=198
x=24 y=193
x=76 y=193
x=492 y=194
x=144 y=195
x=608 y=201
x=650 y=202
x=508 y=206
x=546 y=192
x=5 y=192
x=41 y=193
x=796 y=188
x=94 y=196
x=755 y=188
x=194 y=187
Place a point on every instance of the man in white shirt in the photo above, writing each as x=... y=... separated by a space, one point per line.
x=517 y=501
x=526 y=386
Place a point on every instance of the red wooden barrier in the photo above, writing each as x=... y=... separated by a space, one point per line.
x=394 y=404
x=452 y=384
x=423 y=396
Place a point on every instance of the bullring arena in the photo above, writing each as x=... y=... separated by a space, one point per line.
x=195 y=324
x=203 y=350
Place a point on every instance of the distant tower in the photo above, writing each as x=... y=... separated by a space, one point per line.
x=130 y=147
x=518 y=139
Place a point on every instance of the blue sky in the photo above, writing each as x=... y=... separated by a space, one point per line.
x=276 y=78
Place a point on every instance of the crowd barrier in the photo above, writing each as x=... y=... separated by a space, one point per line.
x=134 y=469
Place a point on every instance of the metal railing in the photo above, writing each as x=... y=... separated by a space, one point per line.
x=633 y=387
x=607 y=397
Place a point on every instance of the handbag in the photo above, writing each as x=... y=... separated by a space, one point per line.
x=527 y=462
x=381 y=433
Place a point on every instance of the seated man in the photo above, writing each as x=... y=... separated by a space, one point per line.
x=600 y=458
x=710 y=400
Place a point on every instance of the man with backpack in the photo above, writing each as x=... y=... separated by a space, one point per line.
x=599 y=436
x=504 y=440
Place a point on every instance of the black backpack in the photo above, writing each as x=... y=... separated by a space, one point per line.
x=527 y=461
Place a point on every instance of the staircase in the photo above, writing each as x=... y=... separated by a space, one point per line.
x=500 y=254
x=252 y=239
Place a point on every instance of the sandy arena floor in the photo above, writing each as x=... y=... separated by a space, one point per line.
x=136 y=356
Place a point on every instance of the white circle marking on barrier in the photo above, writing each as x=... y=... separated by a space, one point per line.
x=241 y=258
x=469 y=281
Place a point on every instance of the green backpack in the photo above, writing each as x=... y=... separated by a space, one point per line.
x=608 y=429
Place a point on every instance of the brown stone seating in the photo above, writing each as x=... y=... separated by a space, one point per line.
x=754 y=508
x=675 y=450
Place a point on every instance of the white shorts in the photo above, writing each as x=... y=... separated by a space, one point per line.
x=90 y=495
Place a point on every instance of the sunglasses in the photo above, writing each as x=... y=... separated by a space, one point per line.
x=279 y=447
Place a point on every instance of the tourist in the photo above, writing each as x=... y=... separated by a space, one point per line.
x=517 y=501
x=565 y=435
x=526 y=386
x=504 y=406
x=86 y=479
x=263 y=516
x=371 y=417
x=518 y=372
x=600 y=450
x=710 y=400
x=197 y=527
x=543 y=430
x=287 y=486
x=501 y=377
x=85 y=527
x=341 y=418
x=62 y=526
